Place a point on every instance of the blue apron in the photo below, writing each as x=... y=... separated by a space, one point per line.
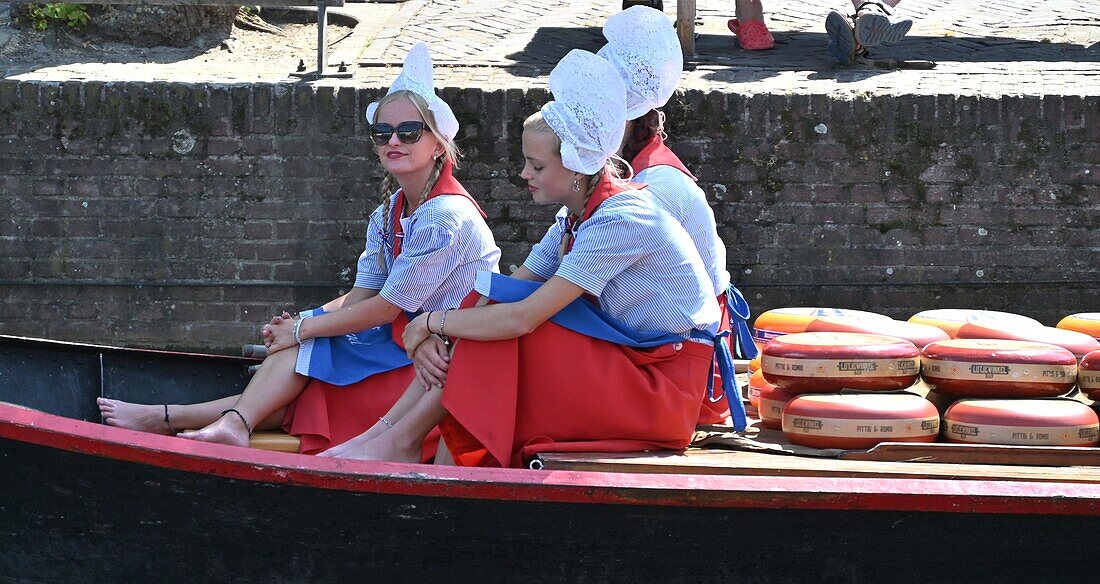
x=581 y=316
x=349 y=359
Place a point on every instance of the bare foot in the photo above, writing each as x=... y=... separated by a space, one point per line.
x=141 y=417
x=384 y=448
x=339 y=450
x=228 y=429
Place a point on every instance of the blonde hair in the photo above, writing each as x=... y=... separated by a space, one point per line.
x=451 y=154
x=537 y=123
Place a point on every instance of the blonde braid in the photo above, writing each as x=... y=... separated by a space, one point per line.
x=593 y=180
x=387 y=191
x=433 y=178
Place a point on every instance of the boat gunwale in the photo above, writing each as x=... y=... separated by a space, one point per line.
x=549 y=486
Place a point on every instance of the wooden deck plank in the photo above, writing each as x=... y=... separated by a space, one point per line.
x=696 y=461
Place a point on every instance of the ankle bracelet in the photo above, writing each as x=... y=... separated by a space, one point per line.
x=167 y=421
x=241 y=416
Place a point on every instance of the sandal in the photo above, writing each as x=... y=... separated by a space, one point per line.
x=753 y=35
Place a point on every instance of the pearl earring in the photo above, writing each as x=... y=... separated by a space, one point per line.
x=576 y=185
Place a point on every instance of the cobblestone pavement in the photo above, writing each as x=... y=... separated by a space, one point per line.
x=1000 y=47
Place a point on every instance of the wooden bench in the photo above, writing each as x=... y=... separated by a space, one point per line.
x=322 y=19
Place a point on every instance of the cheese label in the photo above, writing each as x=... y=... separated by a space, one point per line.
x=840 y=367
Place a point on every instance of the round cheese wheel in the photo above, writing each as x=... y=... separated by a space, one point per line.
x=830 y=362
x=950 y=319
x=918 y=334
x=859 y=420
x=772 y=403
x=785 y=321
x=1083 y=322
x=1077 y=343
x=756 y=384
x=754 y=364
x=998 y=368
x=1030 y=422
x=1088 y=375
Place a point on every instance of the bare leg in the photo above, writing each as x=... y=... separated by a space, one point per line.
x=401 y=407
x=150 y=418
x=402 y=443
x=443 y=454
x=747 y=10
x=274 y=386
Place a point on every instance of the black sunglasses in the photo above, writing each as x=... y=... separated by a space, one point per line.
x=407 y=132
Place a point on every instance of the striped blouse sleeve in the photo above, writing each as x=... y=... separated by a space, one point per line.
x=607 y=244
x=429 y=255
x=368 y=273
x=543 y=260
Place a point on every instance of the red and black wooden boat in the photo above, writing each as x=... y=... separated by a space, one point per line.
x=81 y=501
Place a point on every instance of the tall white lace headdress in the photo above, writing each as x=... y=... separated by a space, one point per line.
x=416 y=76
x=588 y=112
x=644 y=48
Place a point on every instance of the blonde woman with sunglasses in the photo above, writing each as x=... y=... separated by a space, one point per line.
x=332 y=372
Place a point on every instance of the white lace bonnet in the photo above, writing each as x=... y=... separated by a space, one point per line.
x=588 y=112
x=416 y=76
x=644 y=48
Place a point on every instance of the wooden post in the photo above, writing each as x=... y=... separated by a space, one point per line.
x=685 y=25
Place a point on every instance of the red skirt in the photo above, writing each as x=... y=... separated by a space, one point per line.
x=325 y=415
x=555 y=390
x=718 y=412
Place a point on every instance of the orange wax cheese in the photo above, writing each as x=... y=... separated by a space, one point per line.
x=950 y=319
x=1077 y=343
x=772 y=403
x=918 y=334
x=754 y=364
x=1088 y=375
x=859 y=420
x=757 y=383
x=1021 y=422
x=1083 y=322
x=998 y=368
x=785 y=321
x=830 y=362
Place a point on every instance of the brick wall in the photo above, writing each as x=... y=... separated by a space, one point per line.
x=180 y=215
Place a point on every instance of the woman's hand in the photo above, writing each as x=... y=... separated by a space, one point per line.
x=431 y=361
x=265 y=333
x=415 y=333
x=281 y=335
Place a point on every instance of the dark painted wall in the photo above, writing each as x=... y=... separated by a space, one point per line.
x=183 y=215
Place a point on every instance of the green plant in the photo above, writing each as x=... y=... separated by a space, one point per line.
x=72 y=15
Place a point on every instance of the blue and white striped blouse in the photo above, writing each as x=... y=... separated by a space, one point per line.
x=638 y=261
x=677 y=194
x=446 y=242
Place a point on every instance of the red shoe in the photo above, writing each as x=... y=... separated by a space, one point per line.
x=753 y=35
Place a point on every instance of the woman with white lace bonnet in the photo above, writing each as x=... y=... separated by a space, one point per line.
x=600 y=341
x=333 y=371
x=643 y=47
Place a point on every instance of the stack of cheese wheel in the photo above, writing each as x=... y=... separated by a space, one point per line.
x=967 y=368
x=1077 y=343
x=772 y=403
x=1035 y=422
x=1088 y=375
x=951 y=319
x=786 y=321
x=1083 y=322
x=860 y=420
x=814 y=366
